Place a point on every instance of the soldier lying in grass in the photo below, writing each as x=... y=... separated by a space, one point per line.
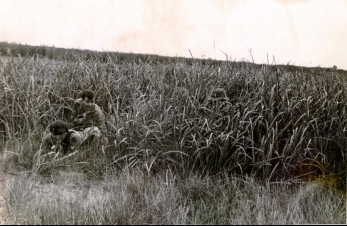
x=62 y=139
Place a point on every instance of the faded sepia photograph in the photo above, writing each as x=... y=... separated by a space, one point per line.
x=173 y=112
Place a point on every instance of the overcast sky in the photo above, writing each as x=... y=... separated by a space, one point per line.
x=301 y=32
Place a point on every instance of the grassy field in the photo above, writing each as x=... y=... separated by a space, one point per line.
x=190 y=143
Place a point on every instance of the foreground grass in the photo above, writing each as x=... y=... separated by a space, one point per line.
x=134 y=198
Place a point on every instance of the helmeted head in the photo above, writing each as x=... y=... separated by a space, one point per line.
x=60 y=134
x=89 y=94
x=59 y=129
x=88 y=98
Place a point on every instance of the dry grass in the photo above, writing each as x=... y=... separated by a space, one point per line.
x=135 y=198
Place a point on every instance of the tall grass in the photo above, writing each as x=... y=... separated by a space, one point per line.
x=269 y=122
x=193 y=117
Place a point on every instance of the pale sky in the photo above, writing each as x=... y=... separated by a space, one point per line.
x=300 y=32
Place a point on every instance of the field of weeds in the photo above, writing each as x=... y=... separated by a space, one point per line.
x=189 y=143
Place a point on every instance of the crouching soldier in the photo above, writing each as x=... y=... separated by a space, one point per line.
x=88 y=117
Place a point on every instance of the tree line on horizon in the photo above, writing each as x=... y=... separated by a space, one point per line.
x=14 y=49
